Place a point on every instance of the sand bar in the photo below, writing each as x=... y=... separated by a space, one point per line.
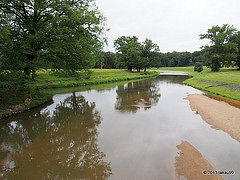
x=191 y=164
x=220 y=115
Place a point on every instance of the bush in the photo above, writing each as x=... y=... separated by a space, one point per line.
x=198 y=67
x=14 y=88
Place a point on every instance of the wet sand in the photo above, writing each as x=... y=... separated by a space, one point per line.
x=191 y=164
x=219 y=114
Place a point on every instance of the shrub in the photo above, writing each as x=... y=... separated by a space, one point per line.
x=198 y=67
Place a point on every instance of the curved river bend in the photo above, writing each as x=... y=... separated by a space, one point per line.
x=138 y=130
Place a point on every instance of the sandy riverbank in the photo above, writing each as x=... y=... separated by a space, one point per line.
x=219 y=114
x=191 y=164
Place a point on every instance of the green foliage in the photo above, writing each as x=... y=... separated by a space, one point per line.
x=145 y=55
x=198 y=67
x=197 y=56
x=149 y=49
x=150 y=57
x=14 y=88
x=236 y=39
x=128 y=51
x=221 y=51
x=133 y=54
x=63 y=33
x=107 y=61
x=173 y=59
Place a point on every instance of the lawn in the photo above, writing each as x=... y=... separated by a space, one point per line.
x=226 y=82
x=49 y=79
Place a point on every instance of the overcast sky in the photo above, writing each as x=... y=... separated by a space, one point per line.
x=174 y=25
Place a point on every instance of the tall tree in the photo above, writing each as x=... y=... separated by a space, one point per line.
x=221 y=51
x=66 y=33
x=128 y=51
x=236 y=39
x=148 y=51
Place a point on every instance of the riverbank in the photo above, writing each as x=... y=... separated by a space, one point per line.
x=220 y=115
x=225 y=83
x=29 y=103
x=49 y=83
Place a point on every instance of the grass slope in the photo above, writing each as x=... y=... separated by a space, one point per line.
x=226 y=82
x=46 y=79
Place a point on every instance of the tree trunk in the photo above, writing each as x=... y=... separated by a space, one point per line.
x=73 y=71
x=74 y=101
x=238 y=64
x=33 y=75
x=130 y=68
x=145 y=69
x=27 y=71
x=215 y=65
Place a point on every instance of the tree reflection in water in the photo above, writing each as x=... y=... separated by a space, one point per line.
x=136 y=95
x=63 y=146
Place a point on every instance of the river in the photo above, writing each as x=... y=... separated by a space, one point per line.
x=129 y=131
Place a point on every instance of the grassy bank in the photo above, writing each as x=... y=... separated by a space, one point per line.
x=225 y=83
x=50 y=83
x=46 y=79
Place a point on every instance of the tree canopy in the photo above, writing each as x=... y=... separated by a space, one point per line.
x=128 y=51
x=148 y=51
x=133 y=54
x=236 y=39
x=221 y=51
x=66 y=34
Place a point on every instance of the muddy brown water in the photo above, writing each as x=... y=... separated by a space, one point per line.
x=130 y=131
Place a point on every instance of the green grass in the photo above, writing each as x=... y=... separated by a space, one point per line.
x=226 y=82
x=46 y=79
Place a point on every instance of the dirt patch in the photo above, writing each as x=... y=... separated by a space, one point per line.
x=191 y=164
x=219 y=114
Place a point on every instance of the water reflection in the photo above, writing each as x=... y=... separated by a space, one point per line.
x=66 y=140
x=60 y=146
x=173 y=79
x=136 y=95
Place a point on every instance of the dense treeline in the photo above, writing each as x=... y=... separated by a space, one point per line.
x=110 y=60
